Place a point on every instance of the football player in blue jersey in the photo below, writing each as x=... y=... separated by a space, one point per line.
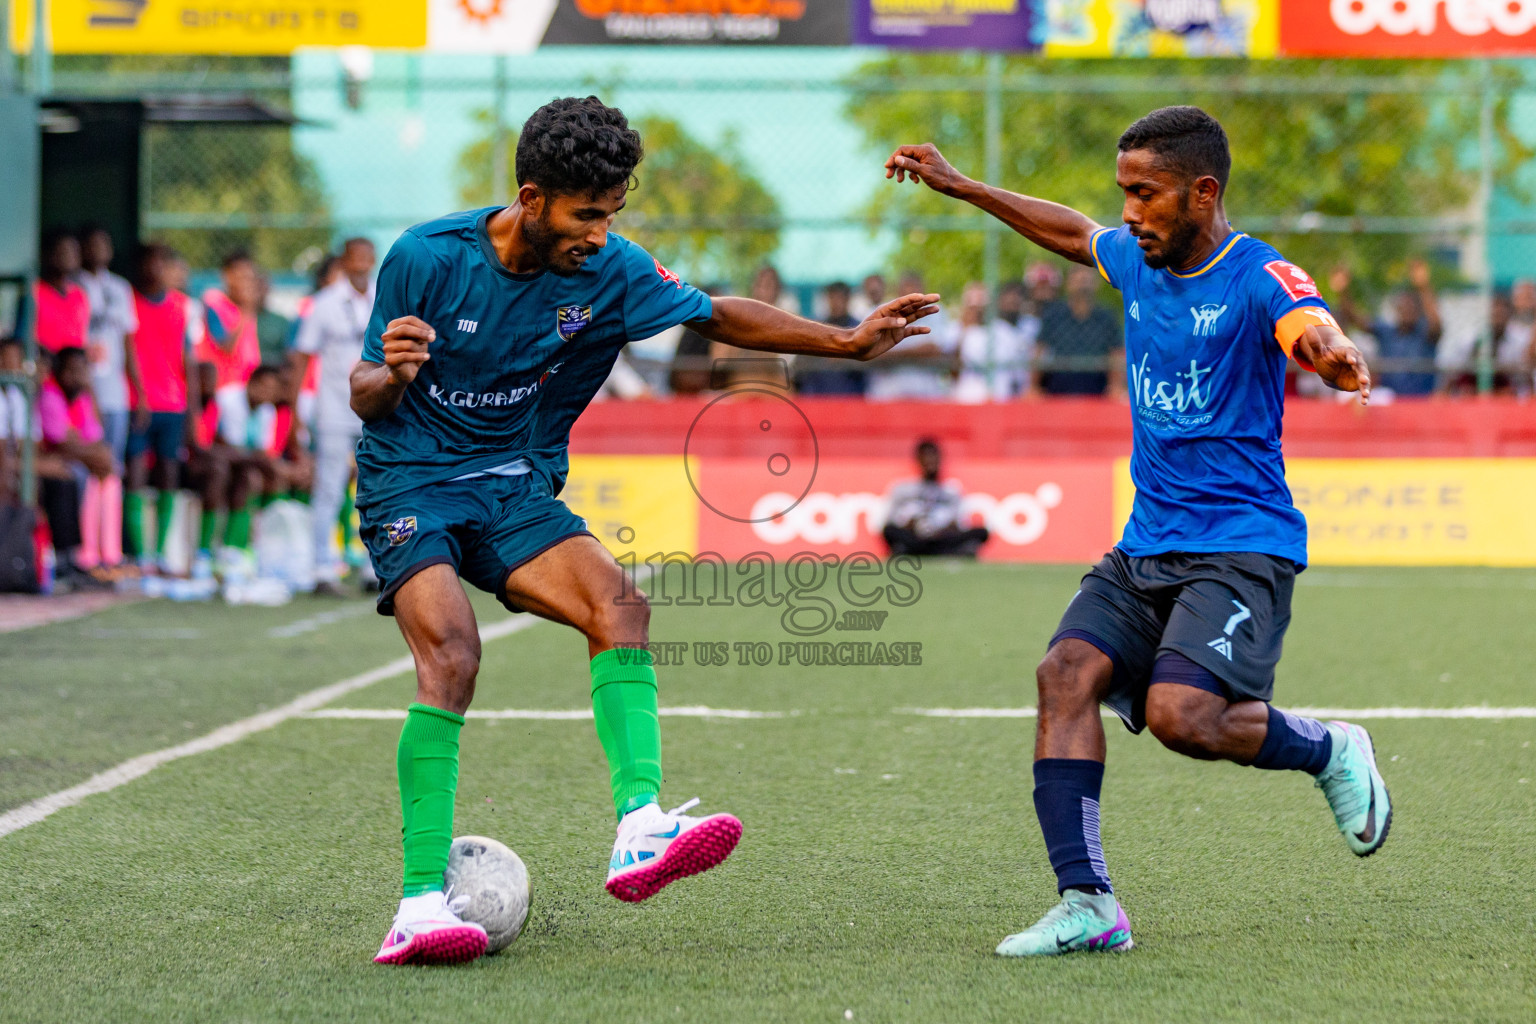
x=491 y=331
x=1178 y=628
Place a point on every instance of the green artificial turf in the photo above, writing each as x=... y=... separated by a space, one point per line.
x=885 y=853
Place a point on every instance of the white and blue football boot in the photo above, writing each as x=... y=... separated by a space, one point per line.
x=655 y=848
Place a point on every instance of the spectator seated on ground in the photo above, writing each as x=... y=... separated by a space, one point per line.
x=59 y=492
x=248 y=456
x=71 y=432
x=923 y=516
x=258 y=431
x=14 y=428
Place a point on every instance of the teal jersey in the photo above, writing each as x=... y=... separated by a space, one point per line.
x=1207 y=388
x=517 y=358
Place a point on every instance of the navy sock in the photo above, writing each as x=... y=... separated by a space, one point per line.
x=1067 y=804
x=1294 y=742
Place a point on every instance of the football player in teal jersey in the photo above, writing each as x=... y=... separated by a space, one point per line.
x=491 y=332
x=1178 y=629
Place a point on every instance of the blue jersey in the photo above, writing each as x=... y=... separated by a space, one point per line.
x=517 y=358
x=1206 y=357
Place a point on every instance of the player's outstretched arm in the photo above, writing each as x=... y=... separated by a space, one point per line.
x=1052 y=226
x=1336 y=359
x=378 y=387
x=747 y=323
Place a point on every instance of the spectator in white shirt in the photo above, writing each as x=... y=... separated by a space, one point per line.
x=114 y=368
x=871 y=297
x=919 y=368
x=995 y=355
x=333 y=332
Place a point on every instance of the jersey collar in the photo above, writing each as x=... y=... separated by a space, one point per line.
x=483 y=237
x=1213 y=259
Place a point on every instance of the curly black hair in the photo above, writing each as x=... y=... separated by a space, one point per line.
x=576 y=146
x=1188 y=139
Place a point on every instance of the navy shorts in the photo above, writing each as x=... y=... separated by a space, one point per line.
x=1225 y=612
x=162 y=435
x=484 y=527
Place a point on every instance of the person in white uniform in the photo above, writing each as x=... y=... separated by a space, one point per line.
x=333 y=332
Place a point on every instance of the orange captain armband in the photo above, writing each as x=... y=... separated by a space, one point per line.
x=1295 y=323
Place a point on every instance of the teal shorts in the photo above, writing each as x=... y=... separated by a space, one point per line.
x=484 y=527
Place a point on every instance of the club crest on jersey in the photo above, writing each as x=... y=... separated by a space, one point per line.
x=570 y=319
x=1206 y=317
x=401 y=530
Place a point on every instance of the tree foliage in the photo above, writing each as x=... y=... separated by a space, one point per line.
x=697 y=208
x=1311 y=150
x=225 y=187
x=221 y=176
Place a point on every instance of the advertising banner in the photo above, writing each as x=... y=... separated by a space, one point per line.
x=1359 y=511
x=1162 y=28
x=487 y=26
x=1037 y=510
x=249 y=27
x=1407 y=28
x=1012 y=25
x=638 y=504
x=1404 y=511
x=1417 y=511
x=700 y=22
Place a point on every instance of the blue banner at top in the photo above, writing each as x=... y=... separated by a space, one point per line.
x=1010 y=25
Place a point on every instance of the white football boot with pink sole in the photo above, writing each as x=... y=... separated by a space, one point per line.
x=655 y=848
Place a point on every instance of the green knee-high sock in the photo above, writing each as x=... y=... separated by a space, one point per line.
x=344 y=519
x=428 y=766
x=208 y=530
x=165 y=509
x=238 y=533
x=624 y=708
x=133 y=516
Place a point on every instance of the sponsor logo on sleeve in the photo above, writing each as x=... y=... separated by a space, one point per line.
x=667 y=275
x=1298 y=284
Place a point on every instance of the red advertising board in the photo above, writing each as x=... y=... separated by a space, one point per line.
x=1038 y=510
x=1407 y=28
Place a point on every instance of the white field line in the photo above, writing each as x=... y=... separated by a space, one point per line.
x=310 y=623
x=557 y=715
x=699 y=711
x=37 y=810
x=1350 y=713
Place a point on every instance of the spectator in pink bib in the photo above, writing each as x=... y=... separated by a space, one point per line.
x=63 y=311
x=71 y=429
x=230 y=342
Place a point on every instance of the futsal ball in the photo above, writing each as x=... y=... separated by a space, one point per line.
x=496 y=882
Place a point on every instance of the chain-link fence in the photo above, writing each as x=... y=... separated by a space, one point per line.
x=1354 y=170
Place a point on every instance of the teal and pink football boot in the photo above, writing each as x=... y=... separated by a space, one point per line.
x=1079 y=923
x=1355 y=790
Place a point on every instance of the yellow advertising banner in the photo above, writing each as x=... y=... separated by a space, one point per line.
x=1162 y=28
x=272 y=27
x=1405 y=511
x=639 y=504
